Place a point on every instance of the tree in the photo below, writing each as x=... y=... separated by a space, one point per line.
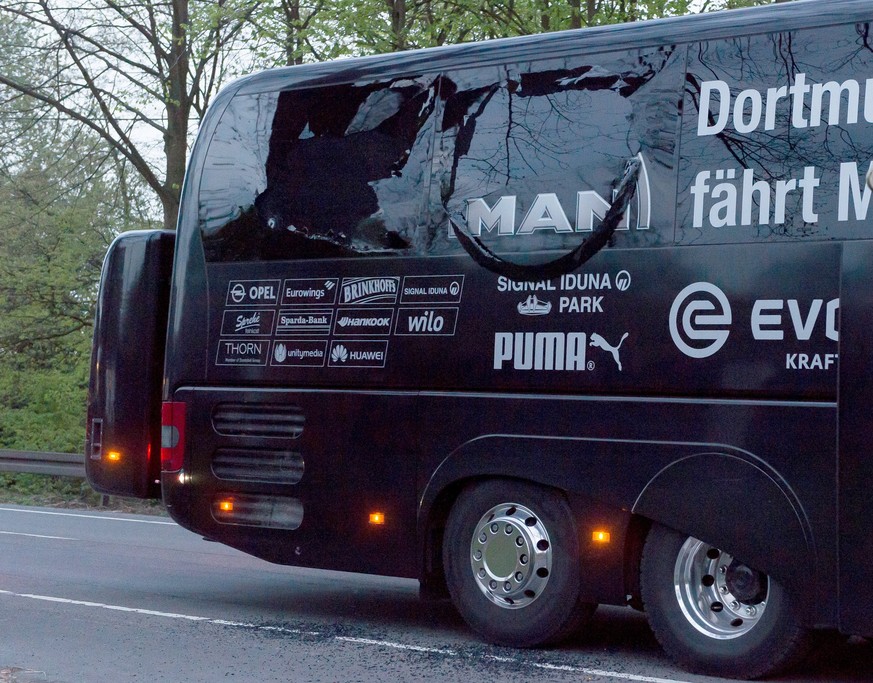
x=59 y=209
x=64 y=194
x=131 y=72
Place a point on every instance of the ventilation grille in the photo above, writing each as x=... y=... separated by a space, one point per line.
x=258 y=419
x=271 y=467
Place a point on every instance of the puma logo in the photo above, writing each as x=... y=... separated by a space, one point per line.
x=599 y=342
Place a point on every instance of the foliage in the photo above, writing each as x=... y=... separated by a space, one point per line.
x=68 y=492
x=63 y=196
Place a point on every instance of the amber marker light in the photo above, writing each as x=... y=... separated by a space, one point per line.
x=600 y=536
x=113 y=456
x=226 y=505
x=377 y=518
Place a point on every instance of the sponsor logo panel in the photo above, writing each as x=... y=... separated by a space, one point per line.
x=426 y=322
x=292 y=323
x=299 y=353
x=251 y=323
x=358 y=353
x=432 y=289
x=309 y=291
x=239 y=352
x=252 y=293
x=369 y=290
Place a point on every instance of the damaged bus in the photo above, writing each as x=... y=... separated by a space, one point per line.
x=544 y=322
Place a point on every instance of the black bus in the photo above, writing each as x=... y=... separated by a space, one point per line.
x=543 y=322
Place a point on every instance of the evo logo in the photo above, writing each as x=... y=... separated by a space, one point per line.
x=701 y=320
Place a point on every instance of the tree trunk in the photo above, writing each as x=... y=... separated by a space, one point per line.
x=178 y=110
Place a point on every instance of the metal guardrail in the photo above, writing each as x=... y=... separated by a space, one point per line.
x=35 y=462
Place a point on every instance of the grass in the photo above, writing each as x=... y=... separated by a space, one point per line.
x=67 y=492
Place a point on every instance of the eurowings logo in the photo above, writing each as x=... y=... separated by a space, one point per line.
x=547 y=213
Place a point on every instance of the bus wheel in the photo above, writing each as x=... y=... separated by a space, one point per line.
x=511 y=557
x=713 y=614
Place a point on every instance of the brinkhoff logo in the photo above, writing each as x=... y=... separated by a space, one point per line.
x=370 y=290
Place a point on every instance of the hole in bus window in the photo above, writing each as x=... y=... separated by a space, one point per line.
x=319 y=172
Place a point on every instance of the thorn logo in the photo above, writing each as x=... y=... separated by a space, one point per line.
x=339 y=354
x=699 y=320
x=329 y=284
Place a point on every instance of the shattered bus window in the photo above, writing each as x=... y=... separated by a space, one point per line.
x=336 y=171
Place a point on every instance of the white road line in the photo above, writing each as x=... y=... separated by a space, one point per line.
x=347 y=639
x=73 y=514
x=58 y=538
x=396 y=646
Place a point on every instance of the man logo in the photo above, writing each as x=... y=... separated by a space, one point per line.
x=700 y=313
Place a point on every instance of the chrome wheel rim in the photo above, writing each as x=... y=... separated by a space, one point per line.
x=719 y=596
x=511 y=555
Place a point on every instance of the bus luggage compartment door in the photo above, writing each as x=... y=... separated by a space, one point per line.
x=122 y=445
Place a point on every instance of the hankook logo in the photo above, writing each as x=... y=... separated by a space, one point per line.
x=699 y=320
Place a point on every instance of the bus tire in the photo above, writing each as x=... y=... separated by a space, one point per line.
x=511 y=557
x=712 y=614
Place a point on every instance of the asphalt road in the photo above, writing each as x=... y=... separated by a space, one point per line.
x=92 y=597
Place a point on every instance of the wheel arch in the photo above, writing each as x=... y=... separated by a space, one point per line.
x=759 y=520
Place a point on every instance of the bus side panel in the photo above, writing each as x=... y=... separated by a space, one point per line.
x=856 y=463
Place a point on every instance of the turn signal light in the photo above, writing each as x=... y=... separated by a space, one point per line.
x=226 y=505
x=113 y=456
x=377 y=518
x=600 y=536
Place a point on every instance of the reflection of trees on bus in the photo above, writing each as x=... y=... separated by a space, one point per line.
x=775 y=155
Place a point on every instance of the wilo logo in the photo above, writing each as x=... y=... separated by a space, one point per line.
x=701 y=315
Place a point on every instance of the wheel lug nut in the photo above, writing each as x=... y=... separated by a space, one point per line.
x=751 y=611
x=507 y=586
x=724 y=590
x=519 y=577
x=494 y=528
x=722 y=569
x=482 y=574
x=735 y=605
x=523 y=559
x=492 y=585
x=477 y=555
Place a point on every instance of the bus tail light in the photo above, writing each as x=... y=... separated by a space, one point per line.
x=172 y=436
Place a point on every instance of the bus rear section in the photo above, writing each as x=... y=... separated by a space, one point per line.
x=545 y=323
